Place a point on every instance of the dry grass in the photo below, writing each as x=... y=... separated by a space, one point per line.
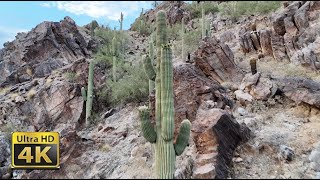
x=14 y=95
x=29 y=71
x=31 y=94
x=283 y=69
x=4 y=90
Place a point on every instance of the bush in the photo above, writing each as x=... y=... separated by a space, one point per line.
x=235 y=9
x=195 y=8
x=131 y=87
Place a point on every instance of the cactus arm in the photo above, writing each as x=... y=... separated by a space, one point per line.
x=148 y=68
x=83 y=93
x=146 y=126
x=183 y=137
x=90 y=93
x=167 y=104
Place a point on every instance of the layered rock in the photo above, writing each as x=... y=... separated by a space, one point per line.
x=216 y=61
x=48 y=46
x=293 y=36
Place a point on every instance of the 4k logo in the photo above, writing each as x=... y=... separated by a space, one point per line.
x=35 y=150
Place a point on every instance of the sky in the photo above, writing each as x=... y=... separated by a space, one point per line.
x=22 y=16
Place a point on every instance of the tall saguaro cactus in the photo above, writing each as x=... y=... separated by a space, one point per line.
x=182 y=40
x=121 y=21
x=162 y=133
x=114 y=56
x=89 y=94
x=203 y=22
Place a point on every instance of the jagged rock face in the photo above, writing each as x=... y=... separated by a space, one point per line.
x=48 y=46
x=175 y=12
x=294 y=35
x=216 y=61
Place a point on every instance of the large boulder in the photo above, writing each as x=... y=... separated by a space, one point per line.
x=216 y=61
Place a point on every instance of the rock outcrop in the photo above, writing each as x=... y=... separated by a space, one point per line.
x=48 y=46
x=216 y=61
x=293 y=36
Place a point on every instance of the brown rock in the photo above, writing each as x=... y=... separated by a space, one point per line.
x=262 y=90
x=300 y=17
x=289 y=26
x=278 y=48
x=288 y=42
x=255 y=40
x=216 y=60
x=214 y=145
x=246 y=43
x=278 y=24
x=265 y=42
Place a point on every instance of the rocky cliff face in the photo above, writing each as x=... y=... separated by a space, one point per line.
x=47 y=47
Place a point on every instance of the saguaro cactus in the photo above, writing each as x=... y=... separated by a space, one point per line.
x=90 y=93
x=203 y=21
x=162 y=133
x=84 y=94
x=121 y=21
x=182 y=39
x=114 y=56
x=151 y=55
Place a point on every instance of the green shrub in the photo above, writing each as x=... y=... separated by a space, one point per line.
x=236 y=9
x=70 y=76
x=132 y=85
x=195 y=8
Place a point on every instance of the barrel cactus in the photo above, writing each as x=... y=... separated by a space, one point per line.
x=253 y=65
x=162 y=135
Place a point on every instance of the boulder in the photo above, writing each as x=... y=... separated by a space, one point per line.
x=216 y=60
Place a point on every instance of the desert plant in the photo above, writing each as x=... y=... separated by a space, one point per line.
x=253 y=65
x=182 y=39
x=84 y=94
x=121 y=21
x=162 y=135
x=203 y=22
x=236 y=9
x=114 y=58
x=196 y=10
x=89 y=93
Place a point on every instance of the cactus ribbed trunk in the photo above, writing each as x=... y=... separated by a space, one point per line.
x=89 y=94
x=114 y=58
x=163 y=134
x=151 y=54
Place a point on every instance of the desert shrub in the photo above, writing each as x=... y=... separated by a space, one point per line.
x=132 y=86
x=236 y=9
x=70 y=76
x=208 y=6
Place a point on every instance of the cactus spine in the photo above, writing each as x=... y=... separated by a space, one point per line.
x=90 y=94
x=162 y=133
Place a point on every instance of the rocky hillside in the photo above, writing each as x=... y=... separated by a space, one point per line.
x=247 y=122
